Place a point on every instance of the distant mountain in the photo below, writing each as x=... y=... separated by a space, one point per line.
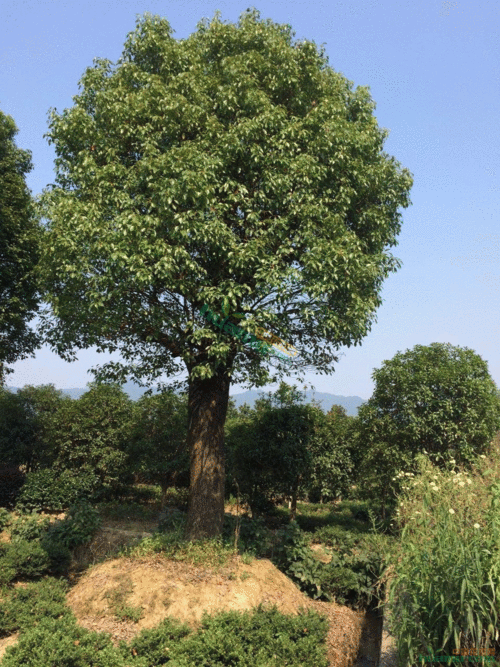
x=350 y=403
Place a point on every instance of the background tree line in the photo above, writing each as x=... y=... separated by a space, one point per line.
x=436 y=400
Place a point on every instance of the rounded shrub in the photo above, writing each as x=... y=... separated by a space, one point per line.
x=48 y=490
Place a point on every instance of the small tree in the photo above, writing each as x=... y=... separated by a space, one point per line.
x=19 y=251
x=436 y=399
x=27 y=422
x=330 y=447
x=158 y=438
x=270 y=448
x=92 y=435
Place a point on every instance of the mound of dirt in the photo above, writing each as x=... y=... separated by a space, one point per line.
x=162 y=588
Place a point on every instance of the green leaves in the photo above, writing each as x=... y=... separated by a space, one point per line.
x=226 y=168
x=20 y=233
x=437 y=399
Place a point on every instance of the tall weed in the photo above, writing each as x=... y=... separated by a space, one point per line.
x=446 y=571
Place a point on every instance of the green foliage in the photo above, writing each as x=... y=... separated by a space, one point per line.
x=23 y=559
x=156 y=644
x=351 y=577
x=27 y=425
x=446 y=575
x=59 y=555
x=439 y=400
x=62 y=643
x=295 y=558
x=19 y=243
x=245 y=108
x=91 y=436
x=5 y=518
x=22 y=608
x=157 y=444
x=253 y=536
x=28 y=527
x=271 y=439
x=48 y=490
x=258 y=638
x=332 y=466
x=78 y=527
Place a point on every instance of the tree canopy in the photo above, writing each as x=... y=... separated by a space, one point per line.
x=438 y=400
x=19 y=239
x=233 y=169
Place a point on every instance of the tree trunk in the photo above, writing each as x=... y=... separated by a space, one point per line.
x=207 y=409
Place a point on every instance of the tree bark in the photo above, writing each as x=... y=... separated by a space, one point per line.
x=207 y=409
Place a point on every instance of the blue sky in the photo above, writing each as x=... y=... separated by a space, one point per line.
x=433 y=69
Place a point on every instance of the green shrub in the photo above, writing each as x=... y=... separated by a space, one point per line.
x=351 y=577
x=58 y=642
x=48 y=490
x=27 y=559
x=91 y=436
x=5 y=518
x=23 y=607
x=294 y=557
x=254 y=536
x=78 y=527
x=28 y=527
x=7 y=570
x=335 y=536
x=155 y=645
x=59 y=555
x=259 y=638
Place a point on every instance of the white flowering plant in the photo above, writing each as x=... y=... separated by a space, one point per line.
x=446 y=569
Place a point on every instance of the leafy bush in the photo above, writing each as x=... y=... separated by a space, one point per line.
x=258 y=638
x=157 y=442
x=294 y=557
x=27 y=424
x=7 y=570
x=26 y=559
x=272 y=439
x=58 y=642
x=78 y=527
x=48 y=490
x=443 y=595
x=21 y=608
x=59 y=555
x=252 y=535
x=91 y=436
x=155 y=645
x=332 y=465
x=5 y=518
x=335 y=536
x=28 y=527
x=351 y=577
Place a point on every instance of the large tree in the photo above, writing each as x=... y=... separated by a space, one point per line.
x=19 y=242
x=235 y=170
